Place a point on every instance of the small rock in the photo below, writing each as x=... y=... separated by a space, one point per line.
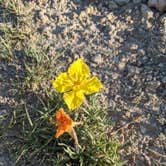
x=157 y=15
x=158 y=4
x=164 y=80
x=122 y=2
x=143 y=129
x=115 y=76
x=121 y=65
x=148 y=24
x=163 y=18
x=97 y=59
x=137 y=1
x=3 y=112
x=152 y=85
x=128 y=114
x=93 y=28
x=134 y=46
x=141 y=52
x=133 y=69
x=112 y=5
x=147 y=16
x=149 y=78
x=146 y=12
x=163 y=21
x=112 y=18
x=83 y=14
x=90 y=10
x=3 y=162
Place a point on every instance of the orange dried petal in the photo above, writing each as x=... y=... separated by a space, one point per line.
x=59 y=133
x=64 y=122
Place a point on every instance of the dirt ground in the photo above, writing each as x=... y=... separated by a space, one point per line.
x=126 y=47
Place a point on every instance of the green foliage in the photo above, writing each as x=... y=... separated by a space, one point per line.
x=95 y=147
x=10 y=40
x=14 y=28
x=6 y=42
x=39 y=67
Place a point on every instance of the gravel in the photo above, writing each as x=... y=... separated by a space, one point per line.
x=125 y=47
x=122 y=2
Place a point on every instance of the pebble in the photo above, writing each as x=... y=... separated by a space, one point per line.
x=111 y=17
x=121 y=65
x=163 y=21
x=141 y=52
x=133 y=69
x=3 y=162
x=152 y=85
x=149 y=129
x=112 y=5
x=158 y=4
x=3 y=112
x=137 y=1
x=146 y=12
x=122 y=2
x=164 y=80
x=163 y=18
x=115 y=76
x=134 y=46
x=97 y=59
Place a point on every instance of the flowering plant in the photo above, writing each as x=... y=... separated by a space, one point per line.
x=75 y=83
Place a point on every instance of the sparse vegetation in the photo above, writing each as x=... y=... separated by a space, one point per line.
x=37 y=139
x=39 y=40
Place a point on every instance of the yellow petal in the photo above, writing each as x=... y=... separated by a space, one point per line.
x=73 y=99
x=78 y=70
x=62 y=83
x=91 y=85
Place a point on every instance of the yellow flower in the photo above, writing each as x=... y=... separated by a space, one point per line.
x=75 y=83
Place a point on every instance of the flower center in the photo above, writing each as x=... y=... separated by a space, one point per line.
x=76 y=86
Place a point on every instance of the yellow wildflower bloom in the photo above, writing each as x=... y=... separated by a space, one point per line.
x=75 y=83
